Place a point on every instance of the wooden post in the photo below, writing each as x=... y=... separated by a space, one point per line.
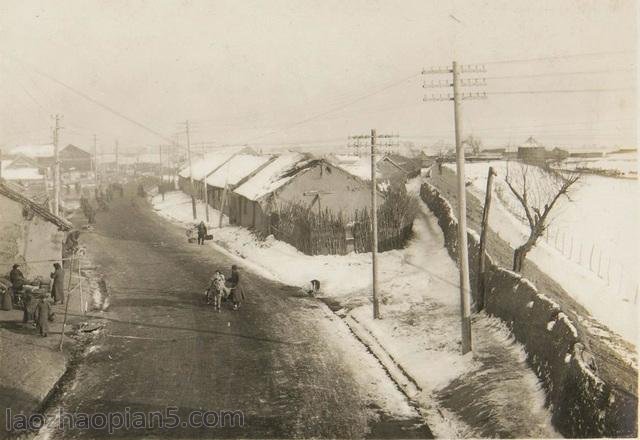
x=193 y=197
x=465 y=286
x=222 y=203
x=83 y=305
x=374 y=226
x=66 y=305
x=483 y=240
x=593 y=246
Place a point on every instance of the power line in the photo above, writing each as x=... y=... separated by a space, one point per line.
x=582 y=72
x=92 y=100
x=335 y=109
x=536 y=92
x=558 y=57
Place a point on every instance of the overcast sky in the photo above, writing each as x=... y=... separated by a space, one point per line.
x=313 y=72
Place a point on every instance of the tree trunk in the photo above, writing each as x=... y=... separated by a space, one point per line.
x=521 y=252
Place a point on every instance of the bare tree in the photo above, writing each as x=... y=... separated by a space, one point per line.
x=474 y=142
x=538 y=190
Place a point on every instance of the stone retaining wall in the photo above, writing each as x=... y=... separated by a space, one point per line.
x=582 y=404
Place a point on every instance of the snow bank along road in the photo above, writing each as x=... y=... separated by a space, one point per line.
x=283 y=360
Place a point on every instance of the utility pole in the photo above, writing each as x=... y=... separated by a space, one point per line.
x=0 y=166
x=56 y=168
x=161 y=179
x=373 y=137
x=117 y=160
x=463 y=252
x=206 y=191
x=374 y=226
x=193 y=199
x=95 y=160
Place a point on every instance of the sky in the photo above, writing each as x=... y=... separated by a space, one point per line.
x=276 y=74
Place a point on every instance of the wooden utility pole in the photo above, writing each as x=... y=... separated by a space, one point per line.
x=161 y=177
x=117 y=160
x=455 y=70
x=373 y=138
x=374 y=226
x=193 y=199
x=483 y=239
x=56 y=168
x=206 y=190
x=0 y=166
x=95 y=159
x=463 y=251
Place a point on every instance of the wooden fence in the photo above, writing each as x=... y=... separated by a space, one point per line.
x=328 y=233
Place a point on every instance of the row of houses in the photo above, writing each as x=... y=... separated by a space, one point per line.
x=31 y=162
x=249 y=187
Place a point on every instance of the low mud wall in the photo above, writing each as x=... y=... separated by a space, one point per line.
x=582 y=404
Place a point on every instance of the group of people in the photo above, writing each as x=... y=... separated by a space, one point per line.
x=221 y=289
x=36 y=304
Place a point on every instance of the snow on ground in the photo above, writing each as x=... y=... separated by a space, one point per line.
x=626 y=163
x=603 y=214
x=419 y=299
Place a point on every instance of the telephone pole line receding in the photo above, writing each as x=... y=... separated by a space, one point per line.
x=56 y=168
x=95 y=160
x=193 y=199
x=117 y=160
x=463 y=253
x=374 y=214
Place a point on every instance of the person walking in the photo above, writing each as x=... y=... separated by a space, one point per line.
x=237 y=292
x=57 y=292
x=43 y=310
x=202 y=232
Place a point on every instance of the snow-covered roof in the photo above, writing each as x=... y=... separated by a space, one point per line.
x=531 y=143
x=273 y=176
x=345 y=158
x=236 y=169
x=22 y=173
x=362 y=168
x=33 y=150
x=203 y=166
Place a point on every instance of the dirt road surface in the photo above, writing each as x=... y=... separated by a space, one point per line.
x=283 y=360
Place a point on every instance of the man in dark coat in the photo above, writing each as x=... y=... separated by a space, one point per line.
x=202 y=232
x=16 y=277
x=237 y=292
x=17 y=281
x=57 y=292
x=43 y=310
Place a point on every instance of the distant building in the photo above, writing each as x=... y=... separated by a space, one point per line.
x=532 y=152
x=500 y=151
x=557 y=154
x=30 y=234
x=24 y=173
x=388 y=171
x=42 y=154
x=73 y=158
